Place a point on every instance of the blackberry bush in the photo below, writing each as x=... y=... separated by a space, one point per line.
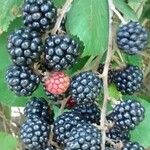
x=128 y=114
x=61 y=52
x=25 y=46
x=35 y=133
x=22 y=80
x=64 y=124
x=39 y=14
x=89 y=111
x=132 y=37
x=84 y=136
x=129 y=79
x=39 y=107
x=85 y=87
x=132 y=145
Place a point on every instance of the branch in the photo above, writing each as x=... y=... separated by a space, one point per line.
x=105 y=77
x=112 y=7
x=62 y=13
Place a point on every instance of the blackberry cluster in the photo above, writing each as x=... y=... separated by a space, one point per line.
x=117 y=134
x=64 y=124
x=132 y=37
x=22 y=80
x=61 y=52
x=39 y=14
x=128 y=114
x=132 y=145
x=89 y=111
x=85 y=87
x=39 y=107
x=129 y=79
x=35 y=133
x=25 y=46
x=84 y=137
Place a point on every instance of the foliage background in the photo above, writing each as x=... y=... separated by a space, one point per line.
x=88 y=20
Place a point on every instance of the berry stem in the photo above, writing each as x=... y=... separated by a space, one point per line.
x=105 y=76
x=117 y=13
x=62 y=14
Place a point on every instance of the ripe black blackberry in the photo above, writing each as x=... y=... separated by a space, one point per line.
x=128 y=114
x=61 y=52
x=89 y=111
x=22 y=80
x=50 y=148
x=129 y=79
x=25 y=46
x=117 y=134
x=132 y=37
x=132 y=145
x=64 y=124
x=110 y=72
x=39 y=107
x=39 y=14
x=35 y=133
x=84 y=137
x=85 y=87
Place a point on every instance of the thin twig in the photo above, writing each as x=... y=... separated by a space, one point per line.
x=118 y=14
x=62 y=14
x=105 y=77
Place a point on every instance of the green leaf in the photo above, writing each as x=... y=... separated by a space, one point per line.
x=146 y=11
x=141 y=132
x=133 y=59
x=59 y=3
x=9 y=10
x=7 y=142
x=127 y=11
x=89 y=20
x=114 y=93
x=6 y=96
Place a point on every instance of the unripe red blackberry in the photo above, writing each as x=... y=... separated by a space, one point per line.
x=129 y=79
x=71 y=103
x=61 y=52
x=132 y=37
x=128 y=114
x=35 y=133
x=39 y=107
x=39 y=14
x=84 y=137
x=25 y=46
x=57 y=82
x=22 y=80
x=85 y=87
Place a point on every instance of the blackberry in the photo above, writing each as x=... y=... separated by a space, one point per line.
x=129 y=79
x=84 y=137
x=39 y=14
x=25 y=46
x=89 y=111
x=110 y=72
x=39 y=107
x=132 y=145
x=50 y=148
x=117 y=134
x=61 y=52
x=85 y=87
x=35 y=133
x=22 y=80
x=132 y=37
x=64 y=124
x=128 y=114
